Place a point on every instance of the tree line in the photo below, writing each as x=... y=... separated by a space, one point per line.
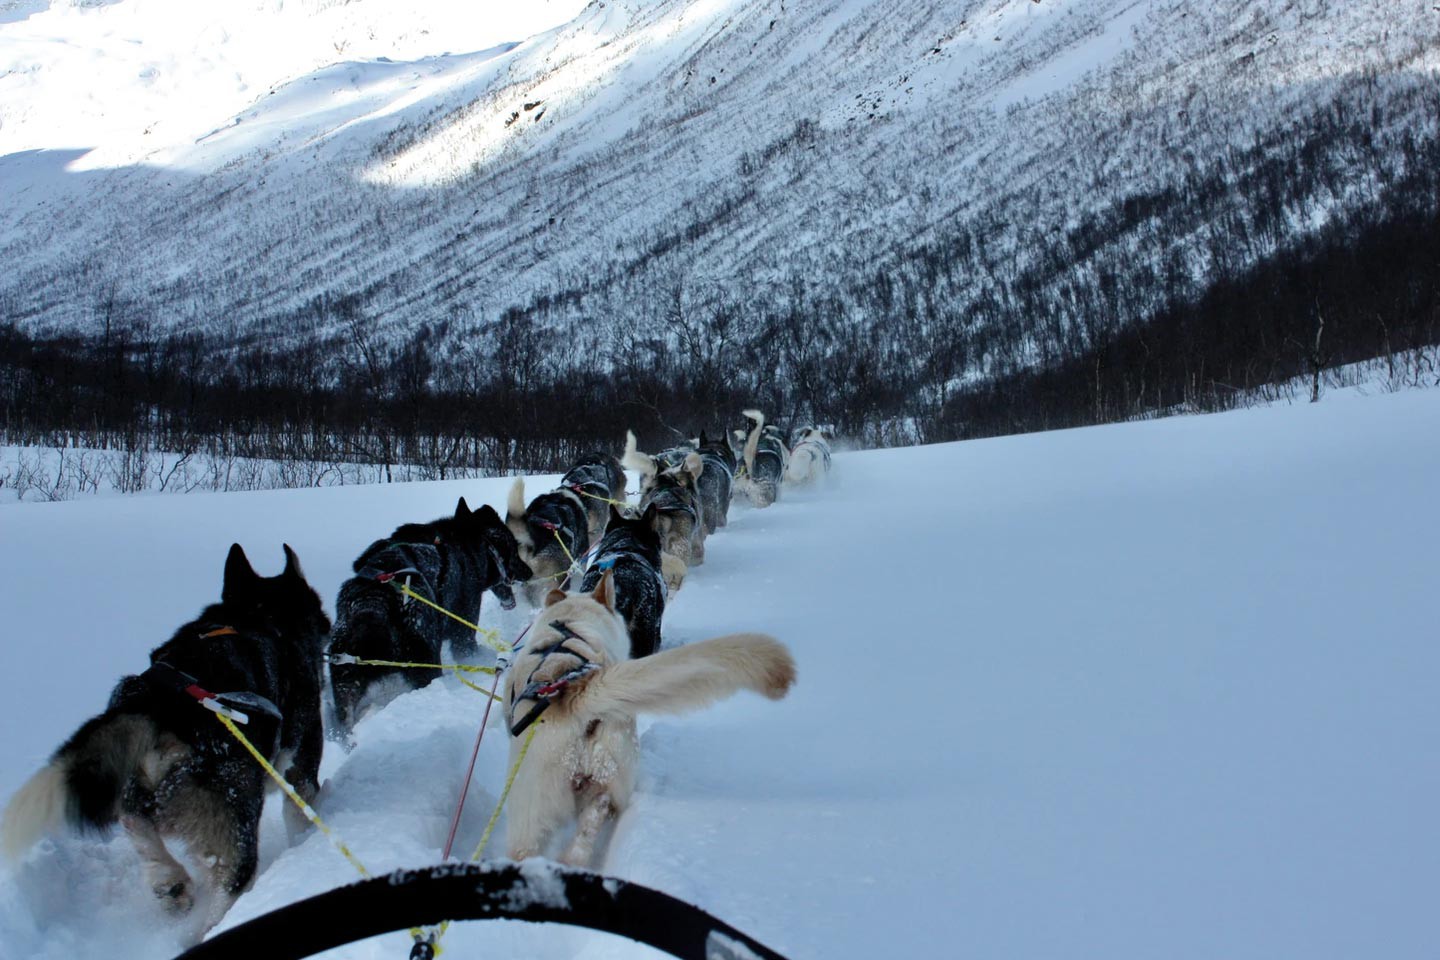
x=1198 y=295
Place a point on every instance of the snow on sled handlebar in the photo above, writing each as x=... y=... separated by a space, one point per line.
x=537 y=891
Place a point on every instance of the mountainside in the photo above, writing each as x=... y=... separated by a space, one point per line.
x=776 y=152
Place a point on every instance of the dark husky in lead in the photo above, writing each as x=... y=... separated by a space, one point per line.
x=473 y=552
x=630 y=551
x=160 y=764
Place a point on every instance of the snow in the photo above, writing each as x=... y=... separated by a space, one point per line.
x=265 y=154
x=136 y=75
x=1155 y=689
x=1064 y=70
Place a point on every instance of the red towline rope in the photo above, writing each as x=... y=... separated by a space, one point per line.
x=474 y=753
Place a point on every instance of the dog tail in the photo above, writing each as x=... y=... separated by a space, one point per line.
x=515 y=506
x=634 y=459
x=82 y=784
x=693 y=676
x=752 y=442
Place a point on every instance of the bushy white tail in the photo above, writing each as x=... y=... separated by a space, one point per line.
x=515 y=506
x=634 y=459
x=38 y=808
x=752 y=442
x=693 y=676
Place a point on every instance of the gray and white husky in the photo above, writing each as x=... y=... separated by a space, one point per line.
x=809 y=458
x=576 y=668
x=162 y=766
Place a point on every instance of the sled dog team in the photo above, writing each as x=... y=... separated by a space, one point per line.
x=158 y=764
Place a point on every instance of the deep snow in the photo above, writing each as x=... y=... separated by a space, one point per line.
x=1155 y=689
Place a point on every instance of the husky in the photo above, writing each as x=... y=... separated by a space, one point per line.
x=436 y=531
x=809 y=458
x=716 y=480
x=375 y=621
x=575 y=667
x=630 y=552
x=553 y=532
x=765 y=461
x=674 y=491
x=648 y=466
x=598 y=478
x=160 y=764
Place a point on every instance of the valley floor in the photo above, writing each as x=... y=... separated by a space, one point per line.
x=1157 y=689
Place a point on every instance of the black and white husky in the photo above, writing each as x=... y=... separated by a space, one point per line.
x=674 y=491
x=158 y=762
x=765 y=460
x=553 y=531
x=599 y=479
x=473 y=553
x=630 y=553
x=809 y=458
x=575 y=666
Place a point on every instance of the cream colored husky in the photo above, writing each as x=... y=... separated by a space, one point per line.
x=580 y=768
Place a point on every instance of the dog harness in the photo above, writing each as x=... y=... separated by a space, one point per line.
x=667 y=500
x=227 y=704
x=824 y=450
x=544 y=692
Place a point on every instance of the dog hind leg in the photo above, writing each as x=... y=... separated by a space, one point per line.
x=540 y=802
x=597 y=810
x=219 y=823
x=673 y=569
x=164 y=875
x=304 y=776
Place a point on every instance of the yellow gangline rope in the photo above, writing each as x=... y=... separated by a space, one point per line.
x=420 y=933
x=295 y=798
x=489 y=693
x=491 y=637
x=561 y=540
x=504 y=794
x=613 y=503
x=458 y=667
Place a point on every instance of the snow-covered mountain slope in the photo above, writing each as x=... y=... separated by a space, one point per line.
x=437 y=179
x=1158 y=689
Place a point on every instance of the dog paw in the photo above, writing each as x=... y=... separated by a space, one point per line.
x=175 y=896
x=673 y=569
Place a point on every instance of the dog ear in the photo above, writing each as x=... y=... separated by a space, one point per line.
x=605 y=590
x=486 y=514
x=462 y=509
x=554 y=597
x=703 y=441
x=240 y=577
x=694 y=466
x=648 y=517
x=292 y=564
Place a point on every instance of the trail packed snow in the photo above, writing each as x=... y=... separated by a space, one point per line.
x=1165 y=689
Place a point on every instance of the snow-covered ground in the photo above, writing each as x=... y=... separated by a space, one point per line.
x=1157 y=689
